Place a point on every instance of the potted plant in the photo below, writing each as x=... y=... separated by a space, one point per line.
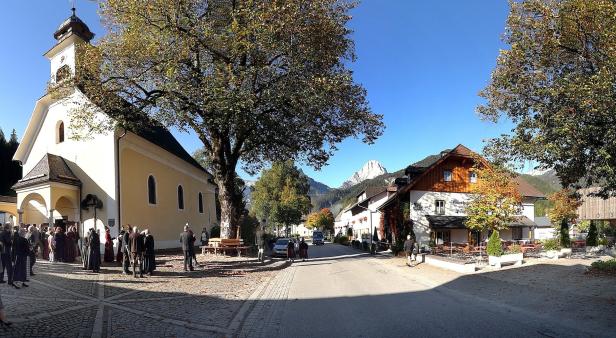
x=552 y=248
x=494 y=249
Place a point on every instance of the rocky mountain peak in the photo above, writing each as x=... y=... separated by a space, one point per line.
x=368 y=171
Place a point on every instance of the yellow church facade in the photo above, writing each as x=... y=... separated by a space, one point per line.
x=142 y=177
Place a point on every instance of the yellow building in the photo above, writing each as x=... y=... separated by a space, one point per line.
x=141 y=177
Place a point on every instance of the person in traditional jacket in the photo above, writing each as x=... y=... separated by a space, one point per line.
x=126 y=251
x=70 y=245
x=5 y=255
x=191 y=248
x=291 y=250
x=186 y=241
x=60 y=239
x=136 y=251
x=21 y=251
x=149 y=259
x=94 y=251
x=108 y=246
x=303 y=250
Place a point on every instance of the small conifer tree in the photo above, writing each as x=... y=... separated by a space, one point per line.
x=494 y=245
x=591 y=238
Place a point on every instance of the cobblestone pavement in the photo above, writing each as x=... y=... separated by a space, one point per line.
x=65 y=301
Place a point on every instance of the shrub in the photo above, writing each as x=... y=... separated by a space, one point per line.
x=515 y=249
x=591 y=238
x=215 y=231
x=606 y=266
x=602 y=241
x=551 y=244
x=565 y=241
x=397 y=248
x=349 y=232
x=344 y=240
x=494 y=245
x=364 y=246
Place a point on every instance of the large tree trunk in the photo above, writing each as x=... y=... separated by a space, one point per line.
x=227 y=207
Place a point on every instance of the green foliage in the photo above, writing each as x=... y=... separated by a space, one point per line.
x=551 y=244
x=375 y=235
x=592 y=236
x=494 y=247
x=248 y=228
x=349 y=232
x=605 y=266
x=281 y=195
x=514 y=249
x=602 y=241
x=563 y=235
x=556 y=83
x=344 y=240
x=11 y=171
x=215 y=231
x=583 y=226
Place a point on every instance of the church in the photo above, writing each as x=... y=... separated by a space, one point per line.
x=141 y=177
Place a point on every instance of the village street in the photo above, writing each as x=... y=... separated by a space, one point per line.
x=340 y=292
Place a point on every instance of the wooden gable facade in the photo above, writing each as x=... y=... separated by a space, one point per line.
x=434 y=179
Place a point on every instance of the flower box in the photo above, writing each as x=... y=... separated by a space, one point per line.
x=497 y=261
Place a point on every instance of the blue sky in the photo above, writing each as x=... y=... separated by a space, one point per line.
x=422 y=62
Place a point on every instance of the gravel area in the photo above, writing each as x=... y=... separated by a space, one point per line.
x=65 y=301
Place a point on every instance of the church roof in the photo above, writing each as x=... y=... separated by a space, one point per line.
x=75 y=26
x=51 y=168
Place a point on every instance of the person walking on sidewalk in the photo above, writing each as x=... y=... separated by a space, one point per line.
x=7 y=250
x=409 y=245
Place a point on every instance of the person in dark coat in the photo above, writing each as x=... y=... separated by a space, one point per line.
x=7 y=250
x=94 y=251
x=409 y=245
x=136 y=251
x=70 y=245
x=149 y=259
x=60 y=250
x=186 y=240
x=126 y=250
x=291 y=250
x=193 y=255
x=108 y=246
x=303 y=250
x=21 y=251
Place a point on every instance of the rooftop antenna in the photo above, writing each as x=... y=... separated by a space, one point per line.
x=73 y=8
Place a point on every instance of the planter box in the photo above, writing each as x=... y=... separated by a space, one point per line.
x=566 y=252
x=448 y=264
x=553 y=254
x=595 y=249
x=515 y=258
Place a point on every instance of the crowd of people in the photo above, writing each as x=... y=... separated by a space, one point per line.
x=136 y=250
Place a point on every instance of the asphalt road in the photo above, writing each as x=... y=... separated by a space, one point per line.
x=340 y=292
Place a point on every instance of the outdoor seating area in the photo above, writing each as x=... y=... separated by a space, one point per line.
x=468 y=251
x=224 y=246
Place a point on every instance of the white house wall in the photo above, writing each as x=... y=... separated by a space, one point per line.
x=92 y=160
x=422 y=204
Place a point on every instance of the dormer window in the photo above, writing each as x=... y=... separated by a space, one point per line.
x=447 y=175
x=60 y=133
x=63 y=73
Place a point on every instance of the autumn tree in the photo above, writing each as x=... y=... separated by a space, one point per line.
x=322 y=219
x=256 y=81
x=564 y=211
x=557 y=83
x=280 y=196
x=495 y=198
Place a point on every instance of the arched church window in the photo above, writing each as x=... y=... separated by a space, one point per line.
x=63 y=73
x=200 y=203
x=60 y=138
x=151 y=190
x=180 y=197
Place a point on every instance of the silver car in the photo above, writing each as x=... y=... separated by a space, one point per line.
x=280 y=248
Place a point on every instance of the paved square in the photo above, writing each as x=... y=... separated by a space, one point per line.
x=65 y=301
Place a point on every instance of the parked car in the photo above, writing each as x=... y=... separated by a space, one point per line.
x=280 y=247
x=317 y=238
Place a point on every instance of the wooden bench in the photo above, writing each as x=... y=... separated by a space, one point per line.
x=224 y=245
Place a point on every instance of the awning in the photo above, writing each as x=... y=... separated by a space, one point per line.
x=522 y=221
x=447 y=222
